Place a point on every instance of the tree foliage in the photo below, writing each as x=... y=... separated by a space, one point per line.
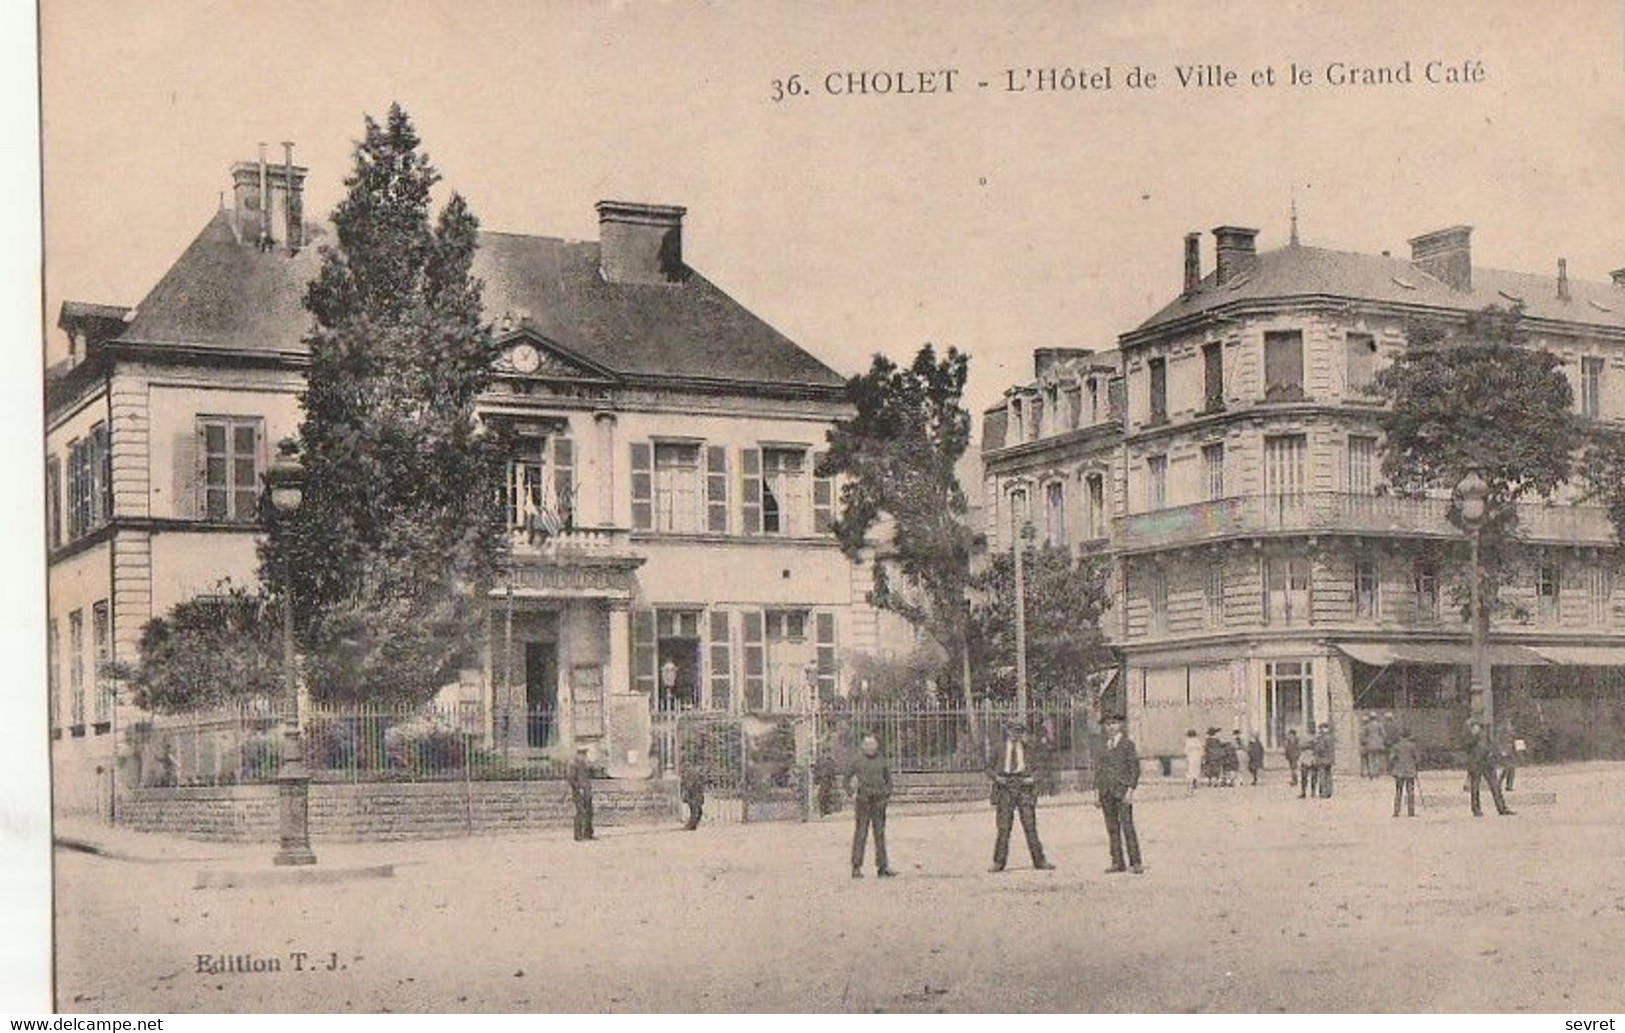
x=400 y=530
x=207 y=652
x=1066 y=599
x=897 y=456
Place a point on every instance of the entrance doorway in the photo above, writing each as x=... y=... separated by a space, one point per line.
x=677 y=660
x=541 y=693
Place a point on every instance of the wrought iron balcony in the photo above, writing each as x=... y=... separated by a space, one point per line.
x=1339 y=513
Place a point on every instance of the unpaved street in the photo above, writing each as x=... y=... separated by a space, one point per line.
x=1255 y=901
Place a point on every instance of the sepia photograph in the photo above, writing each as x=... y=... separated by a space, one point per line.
x=625 y=506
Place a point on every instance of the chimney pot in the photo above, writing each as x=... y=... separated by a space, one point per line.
x=1193 y=262
x=640 y=243
x=268 y=202
x=1446 y=255
x=1236 y=248
x=1563 y=279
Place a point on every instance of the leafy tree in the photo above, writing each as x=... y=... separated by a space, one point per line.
x=897 y=455
x=400 y=531
x=1066 y=598
x=207 y=652
x=1478 y=396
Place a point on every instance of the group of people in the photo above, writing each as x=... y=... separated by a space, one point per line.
x=1311 y=760
x=1217 y=761
x=1014 y=794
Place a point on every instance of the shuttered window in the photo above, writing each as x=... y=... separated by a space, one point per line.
x=642 y=487
x=716 y=489
x=101 y=644
x=721 y=659
x=644 y=675
x=76 y=670
x=755 y=661
x=828 y=664
x=750 y=463
x=823 y=497
x=53 y=500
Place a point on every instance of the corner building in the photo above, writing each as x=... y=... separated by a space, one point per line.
x=1267 y=577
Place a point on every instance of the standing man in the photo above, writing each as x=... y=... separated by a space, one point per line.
x=1507 y=746
x=1293 y=750
x=868 y=782
x=1255 y=756
x=1117 y=772
x=692 y=786
x=1015 y=790
x=1325 y=758
x=1481 y=766
x=579 y=776
x=1402 y=764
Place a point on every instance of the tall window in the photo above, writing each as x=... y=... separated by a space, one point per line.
x=784 y=491
x=1362 y=462
x=1361 y=356
x=1289 y=698
x=1055 y=507
x=53 y=501
x=101 y=643
x=1018 y=420
x=1094 y=401
x=1052 y=406
x=678 y=500
x=1212 y=377
x=90 y=493
x=1020 y=513
x=1286 y=590
x=1549 y=592
x=791 y=659
x=1213 y=470
x=1367 y=599
x=1286 y=458
x=1425 y=589
x=1156 y=482
x=1600 y=592
x=1213 y=593
x=1283 y=366
x=1156 y=590
x=1095 y=500
x=1591 y=378
x=231 y=468
x=76 y=671
x=1158 y=371
x=1074 y=406
x=541 y=483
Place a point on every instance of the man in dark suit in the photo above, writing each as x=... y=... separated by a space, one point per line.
x=1117 y=773
x=579 y=776
x=869 y=782
x=1015 y=790
x=1481 y=766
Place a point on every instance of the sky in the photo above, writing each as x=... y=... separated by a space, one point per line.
x=994 y=221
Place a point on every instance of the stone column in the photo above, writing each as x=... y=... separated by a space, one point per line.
x=607 y=493
x=627 y=710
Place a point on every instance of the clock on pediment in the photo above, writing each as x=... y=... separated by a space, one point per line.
x=525 y=357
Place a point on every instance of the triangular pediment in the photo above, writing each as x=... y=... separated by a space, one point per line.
x=525 y=353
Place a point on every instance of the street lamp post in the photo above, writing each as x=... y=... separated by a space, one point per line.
x=284 y=481
x=1471 y=493
x=1023 y=538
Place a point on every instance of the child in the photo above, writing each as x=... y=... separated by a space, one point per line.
x=1255 y=757
x=1194 y=751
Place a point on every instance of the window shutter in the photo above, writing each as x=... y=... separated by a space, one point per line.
x=823 y=497
x=716 y=489
x=53 y=500
x=750 y=461
x=564 y=486
x=755 y=661
x=643 y=651
x=643 y=511
x=721 y=660
x=827 y=663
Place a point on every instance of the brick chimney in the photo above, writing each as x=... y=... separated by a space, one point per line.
x=1193 y=262
x=1237 y=246
x=1046 y=359
x=1446 y=255
x=640 y=243
x=268 y=201
x=1563 y=279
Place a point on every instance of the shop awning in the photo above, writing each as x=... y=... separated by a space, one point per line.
x=1381 y=654
x=1584 y=656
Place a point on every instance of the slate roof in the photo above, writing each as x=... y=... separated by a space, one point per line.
x=224 y=294
x=1300 y=271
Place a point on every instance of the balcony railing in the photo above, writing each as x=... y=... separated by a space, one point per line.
x=1337 y=512
x=572 y=543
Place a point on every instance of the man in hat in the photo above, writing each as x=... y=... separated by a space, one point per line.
x=1325 y=758
x=1117 y=773
x=579 y=777
x=868 y=782
x=1015 y=790
x=1481 y=766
